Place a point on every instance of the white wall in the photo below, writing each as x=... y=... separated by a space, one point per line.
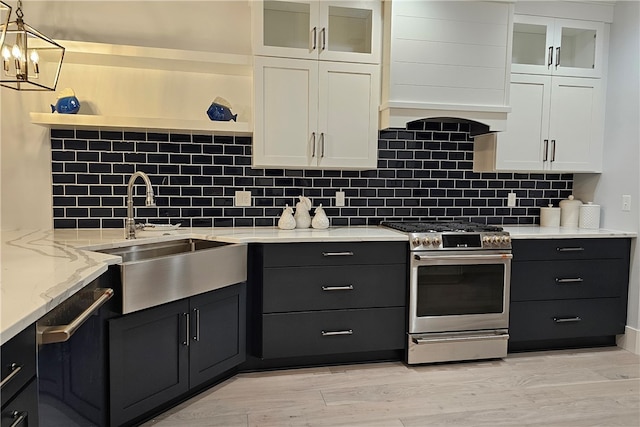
x=621 y=157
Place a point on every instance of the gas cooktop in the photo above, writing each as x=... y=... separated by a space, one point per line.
x=439 y=226
x=451 y=235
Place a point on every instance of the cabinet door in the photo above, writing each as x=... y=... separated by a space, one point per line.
x=561 y=47
x=350 y=31
x=575 y=127
x=148 y=360
x=348 y=115
x=218 y=333
x=524 y=145
x=286 y=112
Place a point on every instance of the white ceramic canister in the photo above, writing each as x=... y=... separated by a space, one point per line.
x=570 y=212
x=589 y=216
x=550 y=216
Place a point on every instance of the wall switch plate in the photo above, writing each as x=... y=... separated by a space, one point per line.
x=339 y=198
x=243 y=198
x=626 y=202
x=511 y=200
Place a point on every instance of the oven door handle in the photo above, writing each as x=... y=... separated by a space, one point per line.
x=464 y=257
x=464 y=338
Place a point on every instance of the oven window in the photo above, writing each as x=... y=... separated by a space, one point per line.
x=460 y=289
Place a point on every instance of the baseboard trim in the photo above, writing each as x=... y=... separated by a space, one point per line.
x=630 y=341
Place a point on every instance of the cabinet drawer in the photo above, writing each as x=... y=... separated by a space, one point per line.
x=545 y=320
x=563 y=249
x=543 y=280
x=333 y=332
x=22 y=410
x=340 y=287
x=18 y=357
x=334 y=253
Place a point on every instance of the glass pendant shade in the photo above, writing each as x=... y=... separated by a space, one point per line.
x=30 y=60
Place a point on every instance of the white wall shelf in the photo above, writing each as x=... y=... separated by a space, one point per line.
x=65 y=121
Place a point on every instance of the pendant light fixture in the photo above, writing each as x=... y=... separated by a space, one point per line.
x=30 y=60
x=5 y=12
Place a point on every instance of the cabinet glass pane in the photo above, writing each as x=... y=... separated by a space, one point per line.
x=287 y=24
x=529 y=44
x=349 y=29
x=578 y=48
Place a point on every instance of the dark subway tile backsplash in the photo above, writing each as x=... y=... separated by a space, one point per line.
x=424 y=172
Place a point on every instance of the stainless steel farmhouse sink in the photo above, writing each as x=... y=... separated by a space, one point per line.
x=161 y=272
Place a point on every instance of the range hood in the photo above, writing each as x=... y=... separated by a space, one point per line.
x=446 y=59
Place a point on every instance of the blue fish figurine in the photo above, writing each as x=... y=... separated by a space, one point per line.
x=67 y=103
x=220 y=111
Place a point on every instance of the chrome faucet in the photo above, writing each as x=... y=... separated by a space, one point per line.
x=130 y=227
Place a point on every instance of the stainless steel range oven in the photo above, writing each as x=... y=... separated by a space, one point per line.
x=458 y=290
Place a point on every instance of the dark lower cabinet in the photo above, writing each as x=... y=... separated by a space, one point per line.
x=568 y=292
x=162 y=353
x=19 y=385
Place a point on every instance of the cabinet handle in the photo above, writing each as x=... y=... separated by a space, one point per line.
x=18 y=417
x=335 y=333
x=567 y=319
x=569 y=280
x=15 y=370
x=315 y=33
x=550 y=57
x=324 y=39
x=576 y=249
x=186 y=329
x=196 y=336
x=313 y=136
x=557 y=57
x=338 y=288
x=553 y=150
x=545 y=156
x=346 y=253
x=322 y=145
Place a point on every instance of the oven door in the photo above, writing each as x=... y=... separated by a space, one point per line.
x=459 y=291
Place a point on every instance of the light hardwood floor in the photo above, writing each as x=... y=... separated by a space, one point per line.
x=587 y=387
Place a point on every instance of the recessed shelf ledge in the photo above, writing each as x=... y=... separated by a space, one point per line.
x=83 y=121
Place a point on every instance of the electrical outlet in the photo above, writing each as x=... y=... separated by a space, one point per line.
x=339 y=198
x=511 y=200
x=626 y=202
x=243 y=198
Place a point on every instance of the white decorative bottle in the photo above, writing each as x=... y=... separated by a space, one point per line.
x=302 y=217
x=320 y=220
x=286 y=221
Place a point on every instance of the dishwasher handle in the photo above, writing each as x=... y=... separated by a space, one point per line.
x=61 y=333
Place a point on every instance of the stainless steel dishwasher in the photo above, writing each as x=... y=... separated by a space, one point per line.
x=72 y=349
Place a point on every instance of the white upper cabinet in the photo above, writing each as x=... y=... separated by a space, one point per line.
x=326 y=30
x=556 y=124
x=562 y=47
x=315 y=114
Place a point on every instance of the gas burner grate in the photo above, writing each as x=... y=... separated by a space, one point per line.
x=439 y=226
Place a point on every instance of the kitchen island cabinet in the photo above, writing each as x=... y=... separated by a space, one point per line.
x=568 y=292
x=325 y=299
x=19 y=385
x=162 y=353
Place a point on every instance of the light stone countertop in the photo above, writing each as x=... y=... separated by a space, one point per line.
x=42 y=268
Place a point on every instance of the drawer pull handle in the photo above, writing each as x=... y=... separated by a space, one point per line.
x=578 y=249
x=567 y=319
x=345 y=253
x=18 y=417
x=338 y=288
x=569 y=280
x=335 y=333
x=15 y=370
x=187 y=328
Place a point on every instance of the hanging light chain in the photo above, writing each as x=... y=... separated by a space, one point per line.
x=19 y=13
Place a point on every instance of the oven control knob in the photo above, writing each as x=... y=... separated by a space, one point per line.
x=486 y=241
x=495 y=240
x=426 y=241
x=415 y=242
x=505 y=240
x=436 y=242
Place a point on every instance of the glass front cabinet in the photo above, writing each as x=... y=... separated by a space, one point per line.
x=561 y=47
x=325 y=30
